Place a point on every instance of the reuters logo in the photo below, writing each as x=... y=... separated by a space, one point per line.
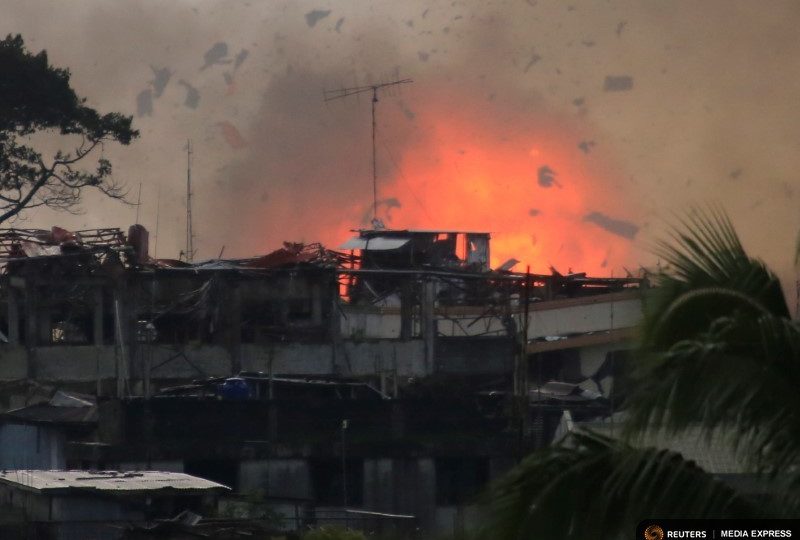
x=654 y=532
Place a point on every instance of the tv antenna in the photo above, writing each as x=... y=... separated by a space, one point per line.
x=330 y=95
x=189 y=233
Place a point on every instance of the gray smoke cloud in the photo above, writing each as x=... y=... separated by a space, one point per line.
x=691 y=101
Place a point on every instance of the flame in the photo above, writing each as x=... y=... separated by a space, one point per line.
x=470 y=165
x=477 y=170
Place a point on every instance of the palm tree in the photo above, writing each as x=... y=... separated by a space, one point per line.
x=718 y=353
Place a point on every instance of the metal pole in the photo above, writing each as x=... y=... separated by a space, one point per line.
x=524 y=368
x=374 y=161
x=138 y=202
x=344 y=464
x=189 y=231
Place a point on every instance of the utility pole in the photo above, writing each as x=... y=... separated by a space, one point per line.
x=330 y=95
x=189 y=233
x=344 y=464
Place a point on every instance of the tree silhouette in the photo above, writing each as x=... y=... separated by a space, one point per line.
x=38 y=106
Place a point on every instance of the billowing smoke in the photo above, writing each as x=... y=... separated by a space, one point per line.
x=569 y=130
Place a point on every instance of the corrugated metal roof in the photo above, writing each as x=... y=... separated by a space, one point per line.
x=64 y=408
x=106 y=481
x=418 y=231
x=375 y=243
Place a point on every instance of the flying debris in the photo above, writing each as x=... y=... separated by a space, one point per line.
x=144 y=103
x=406 y=111
x=339 y=24
x=578 y=102
x=736 y=173
x=620 y=27
x=547 y=177
x=534 y=59
x=192 y=95
x=622 y=228
x=423 y=56
x=314 y=16
x=533 y=212
x=586 y=146
x=232 y=135
x=161 y=79
x=618 y=83
x=388 y=204
x=240 y=58
x=216 y=55
x=228 y=76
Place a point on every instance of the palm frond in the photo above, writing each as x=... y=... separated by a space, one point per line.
x=710 y=276
x=742 y=374
x=596 y=487
x=718 y=348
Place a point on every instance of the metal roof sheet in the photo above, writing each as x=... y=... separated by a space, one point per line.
x=375 y=243
x=418 y=231
x=105 y=481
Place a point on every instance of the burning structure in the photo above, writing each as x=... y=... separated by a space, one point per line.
x=398 y=375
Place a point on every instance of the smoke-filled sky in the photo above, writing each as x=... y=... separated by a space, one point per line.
x=570 y=130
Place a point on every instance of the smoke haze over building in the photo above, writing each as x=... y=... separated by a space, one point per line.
x=637 y=109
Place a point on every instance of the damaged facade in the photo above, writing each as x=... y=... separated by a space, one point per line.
x=385 y=376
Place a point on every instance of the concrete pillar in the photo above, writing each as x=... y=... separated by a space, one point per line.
x=316 y=304
x=97 y=294
x=13 y=317
x=44 y=325
x=415 y=489
x=234 y=309
x=406 y=308
x=30 y=316
x=429 y=323
x=120 y=345
x=398 y=419
x=379 y=486
x=335 y=329
x=276 y=477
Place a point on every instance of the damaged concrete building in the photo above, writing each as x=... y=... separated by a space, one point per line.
x=398 y=374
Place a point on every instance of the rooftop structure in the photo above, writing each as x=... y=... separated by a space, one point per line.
x=409 y=248
x=105 y=481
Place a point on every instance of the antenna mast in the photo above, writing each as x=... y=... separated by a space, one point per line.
x=330 y=95
x=189 y=233
x=158 y=216
x=138 y=202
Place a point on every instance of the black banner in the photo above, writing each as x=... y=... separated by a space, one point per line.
x=714 y=529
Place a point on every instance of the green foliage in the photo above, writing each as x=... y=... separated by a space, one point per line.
x=596 y=487
x=718 y=353
x=37 y=102
x=719 y=349
x=333 y=532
